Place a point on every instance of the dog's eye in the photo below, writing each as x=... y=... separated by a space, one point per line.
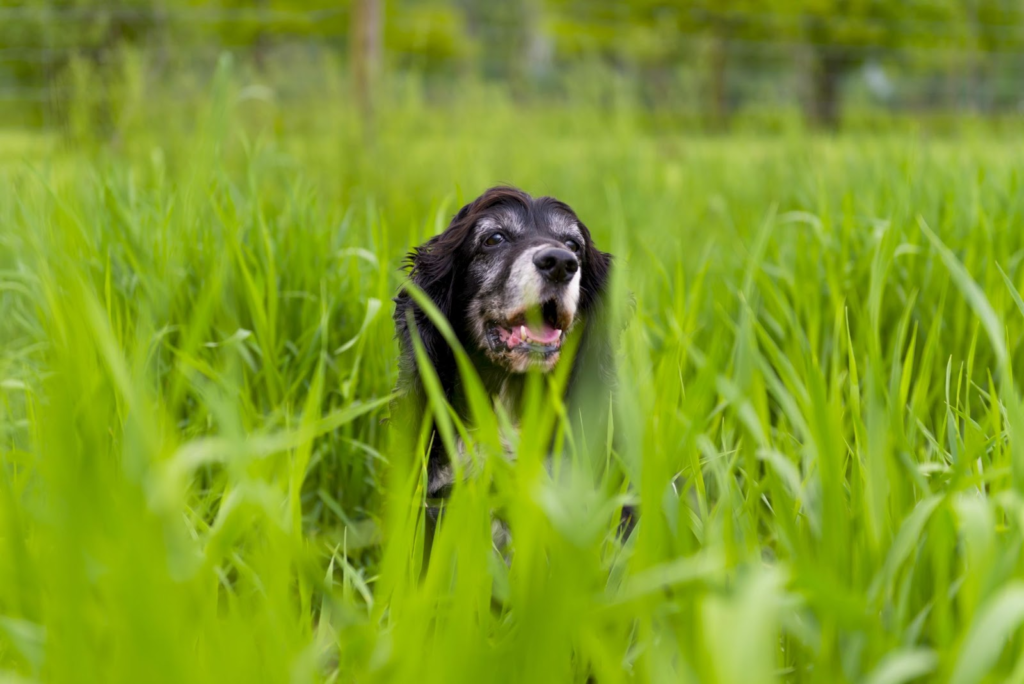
x=495 y=239
x=572 y=245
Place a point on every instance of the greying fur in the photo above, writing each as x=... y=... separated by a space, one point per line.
x=513 y=275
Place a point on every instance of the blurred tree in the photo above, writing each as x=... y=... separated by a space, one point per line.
x=365 y=50
x=722 y=24
x=841 y=34
x=508 y=37
x=49 y=38
x=430 y=37
x=45 y=34
x=994 y=27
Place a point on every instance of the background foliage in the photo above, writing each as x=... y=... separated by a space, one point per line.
x=706 y=62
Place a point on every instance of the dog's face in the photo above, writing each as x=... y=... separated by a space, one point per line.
x=515 y=274
x=523 y=283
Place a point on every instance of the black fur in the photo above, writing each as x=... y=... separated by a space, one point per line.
x=447 y=268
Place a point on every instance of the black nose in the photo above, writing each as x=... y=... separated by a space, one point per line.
x=556 y=264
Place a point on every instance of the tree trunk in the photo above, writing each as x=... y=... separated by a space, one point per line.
x=261 y=42
x=718 y=76
x=365 y=51
x=831 y=65
x=536 y=46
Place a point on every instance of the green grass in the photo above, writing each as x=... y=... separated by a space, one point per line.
x=196 y=355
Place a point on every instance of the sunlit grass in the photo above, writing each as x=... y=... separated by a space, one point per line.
x=816 y=411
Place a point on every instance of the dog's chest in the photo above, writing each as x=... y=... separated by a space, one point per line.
x=506 y=400
x=505 y=403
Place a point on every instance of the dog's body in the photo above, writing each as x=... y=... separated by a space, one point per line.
x=514 y=275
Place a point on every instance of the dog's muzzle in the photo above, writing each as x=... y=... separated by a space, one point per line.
x=541 y=296
x=541 y=332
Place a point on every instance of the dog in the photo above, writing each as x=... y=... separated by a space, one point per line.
x=515 y=276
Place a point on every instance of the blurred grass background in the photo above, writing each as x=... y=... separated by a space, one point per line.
x=202 y=215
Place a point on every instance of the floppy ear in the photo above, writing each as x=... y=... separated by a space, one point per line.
x=592 y=377
x=594 y=279
x=432 y=268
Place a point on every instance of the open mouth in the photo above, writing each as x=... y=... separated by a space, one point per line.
x=540 y=332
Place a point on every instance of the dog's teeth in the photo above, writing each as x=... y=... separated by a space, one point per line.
x=559 y=333
x=522 y=331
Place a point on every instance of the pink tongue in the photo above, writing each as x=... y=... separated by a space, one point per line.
x=546 y=335
x=519 y=334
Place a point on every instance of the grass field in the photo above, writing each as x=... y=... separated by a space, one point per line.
x=196 y=356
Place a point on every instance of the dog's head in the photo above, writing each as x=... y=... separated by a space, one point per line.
x=514 y=274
